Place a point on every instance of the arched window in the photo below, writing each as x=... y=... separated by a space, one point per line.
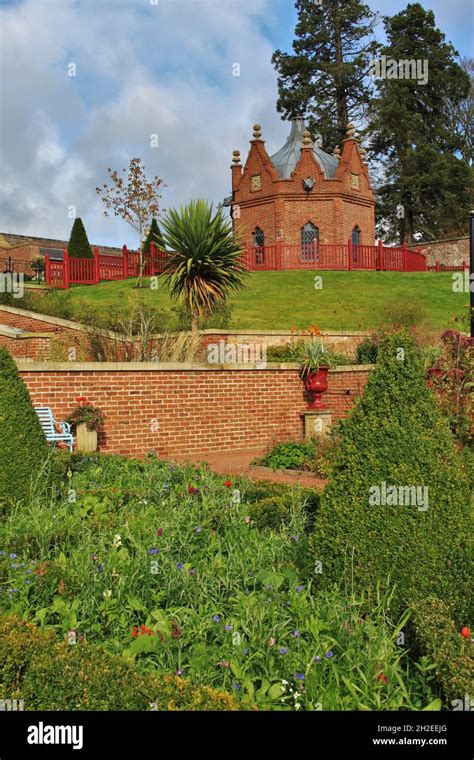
x=356 y=235
x=309 y=242
x=258 y=236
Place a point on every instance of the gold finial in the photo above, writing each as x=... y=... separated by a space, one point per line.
x=307 y=141
x=257 y=131
x=350 y=131
x=337 y=152
x=236 y=157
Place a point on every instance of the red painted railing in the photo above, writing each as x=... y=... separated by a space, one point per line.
x=59 y=274
x=329 y=256
x=103 y=266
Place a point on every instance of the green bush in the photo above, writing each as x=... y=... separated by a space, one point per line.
x=154 y=235
x=289 y=456
x=404 y=314
x=396 y=434
x=60 y=676
x=367 y=350
x=24 y=452
x=272 y=504
x=452 y=654
x=79 y=246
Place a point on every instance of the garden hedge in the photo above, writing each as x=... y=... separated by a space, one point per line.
x=79 y=246
x=397 y=435
x=452 y=654
x=24 y=452
x=48 y=675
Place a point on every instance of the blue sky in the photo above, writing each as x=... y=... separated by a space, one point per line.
x=142 y=68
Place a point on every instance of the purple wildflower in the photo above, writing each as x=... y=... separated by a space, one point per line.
x=295 y=539
x=153 y=551
x=329 y=655
x=198 y=529
x=192 y=571
x=299 y=676
x=317 y=659
x=13 y=556
x=246 y=651
x=237 y=686
x=283 y=650
x=216 y=618
x=299 y=588
x=179 y=565
x=228 y=627
x=296 y=634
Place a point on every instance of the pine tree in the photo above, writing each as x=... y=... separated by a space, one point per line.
x=24 y=451
x=78 y=246
x=424 y=189
x=324 y=79
x=154 y=234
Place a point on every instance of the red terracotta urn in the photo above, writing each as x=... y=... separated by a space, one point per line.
x=316 y=383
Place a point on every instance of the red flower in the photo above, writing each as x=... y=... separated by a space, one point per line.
x=134 y=631
x=228 y=483
x=159 y=532
x=144 y=630
x=382 y=677
x=192 y=490
x=465 y=632
x=81 y=399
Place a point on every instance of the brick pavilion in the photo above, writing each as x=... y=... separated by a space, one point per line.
x=302 y=195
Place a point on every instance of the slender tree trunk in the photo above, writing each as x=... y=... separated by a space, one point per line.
x=194 y=323
x=341 y=102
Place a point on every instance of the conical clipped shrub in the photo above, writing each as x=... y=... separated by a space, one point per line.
x=154 y=235
x=24 y=452
x=78 y=246
x=396 y=435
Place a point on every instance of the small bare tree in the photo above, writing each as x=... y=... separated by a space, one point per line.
x=133 y=198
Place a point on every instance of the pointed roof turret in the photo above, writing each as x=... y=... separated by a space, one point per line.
x=287 y=157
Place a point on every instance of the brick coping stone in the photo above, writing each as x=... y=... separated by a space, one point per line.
x=169 y=367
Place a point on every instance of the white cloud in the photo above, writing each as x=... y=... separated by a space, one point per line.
x=141 y=70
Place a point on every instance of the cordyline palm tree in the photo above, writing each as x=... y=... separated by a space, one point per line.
x=204 y=265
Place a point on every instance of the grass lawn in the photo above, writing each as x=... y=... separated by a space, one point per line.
x=280 y=300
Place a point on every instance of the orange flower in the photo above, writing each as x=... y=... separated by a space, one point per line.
x=314 y=330
x=465 y=632
x=41 y=570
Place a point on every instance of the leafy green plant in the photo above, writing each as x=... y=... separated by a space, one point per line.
x=367 y=350
x=24 y=452
x=289 y=456
x=79 y=246
x=86 y=414
x=396 y=435
x=312 y=355
x=205 y=264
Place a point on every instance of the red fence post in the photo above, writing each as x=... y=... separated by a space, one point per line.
x=151 y=257
x=96 y=265
x=437 y=266
x=404 y=257
x=47 y=270
x=125 y=262
x=349 y=253
x=380 y=254
x=66 y=271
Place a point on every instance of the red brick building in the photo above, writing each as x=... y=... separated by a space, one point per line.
x=301 y=194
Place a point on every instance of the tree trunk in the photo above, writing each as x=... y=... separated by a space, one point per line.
x=194 y=323
x=341 y=102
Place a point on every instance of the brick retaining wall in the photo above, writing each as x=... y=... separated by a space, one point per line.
x=177 y=409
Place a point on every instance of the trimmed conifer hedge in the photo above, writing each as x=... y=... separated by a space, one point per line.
x=24 y=452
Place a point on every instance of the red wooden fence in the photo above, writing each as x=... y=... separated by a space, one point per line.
x=59 y=274
x=329 y=256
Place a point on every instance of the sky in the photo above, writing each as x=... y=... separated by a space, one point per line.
x=144 y=72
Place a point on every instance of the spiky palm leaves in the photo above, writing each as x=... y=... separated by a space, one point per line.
x=205 y=265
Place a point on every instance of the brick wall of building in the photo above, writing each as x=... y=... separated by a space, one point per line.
x=185 y=409
x=281 y=207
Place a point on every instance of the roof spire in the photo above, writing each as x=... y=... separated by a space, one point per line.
x=236 y=157
x=257 y=131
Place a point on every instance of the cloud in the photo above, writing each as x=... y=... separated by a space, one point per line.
x=140 y=70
